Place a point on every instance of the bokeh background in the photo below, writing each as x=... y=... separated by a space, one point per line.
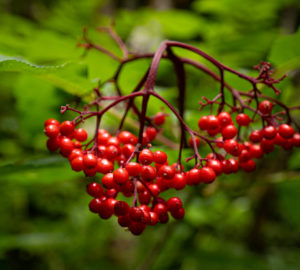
x=240 y=222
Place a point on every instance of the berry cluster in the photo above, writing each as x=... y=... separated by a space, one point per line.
x=126 y=163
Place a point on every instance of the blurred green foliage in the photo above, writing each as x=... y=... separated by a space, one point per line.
x=241 y=222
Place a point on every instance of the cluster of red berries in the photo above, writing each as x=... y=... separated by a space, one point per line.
x=150 y=175
x=241 y=154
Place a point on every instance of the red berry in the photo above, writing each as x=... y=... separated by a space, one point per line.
x=94 y=189
x=127 y=137
x=265 y=107
x=159 y=118
x=229 y=132
x=216 y=165
x=77 y=164
x=230 y=166
x=67 y=128
x=203 y=123
x=256 y=136
x=124 y=221
x=160 y=209
x=193 y=177
x=148 y=173
x=296 y=140
x=53 y=144
x=104 y=166
x=133 y=168
x=244 y=156
x=154 y=188
x=153 y=218
x=103 y=138
x=66 y=146
x=224 y=119
x=166 y=171
x=75 y=153
x=255 y=151
x=248 y=166
x=106 y=209
x=243 y=119
x=151 y=133
x=232 y=147
x=179 y=181
x=80 y=135
x=269 y=132
x=108 y=181
x=286 y=131
x=136 y=228
x=173 y=204
x=51 y=122
x=207 y=175
x=160 y=157
x=120 y=176
x=144 y=197
x=112 y=152
x=128 y=150
x=52 y=131
x=267 y=146
x=90 y=161
x=146 y=157
x=136 y=214
x=121 y=208
x=94 y=205
x=178 y=214
x=213 y=123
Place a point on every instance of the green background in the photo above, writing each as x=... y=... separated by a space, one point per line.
x=243 y=221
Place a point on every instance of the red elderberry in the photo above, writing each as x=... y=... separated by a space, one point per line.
x=224 y=119
x=166 y=171
x=90 y=161
x=67 y=128
x=159 y=118
x=94 y=190
x=269 y=132
x=265 y=107
x=243 y=119
x=160 y=157
x=229 y=132
x=207 y=175
x=120 y=176
x=256 y=136
x=80 y=135
x=232 y=147
x=133 y=168
x=52 y=131
x=203 y=123
x=286 y=131
x=51 y=122
x=121 y=208
x=173 y=204
x=146 y=157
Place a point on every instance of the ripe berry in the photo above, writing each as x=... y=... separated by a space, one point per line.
x=248 y=166
x=166 y=171
x=77 y=164
x=124 y=221
x=159 y=118
x=296 y=140
x=193 y=177
x=66 y=146
x=230 y=166
x=265 y=107
x=203 y=123
x=104 y=166
x=160 y=209
x=136 y=228
x=106 y=209
x=229 y=132
x=127 y=137
x=255 y=151
x=146 y=157
x=94 y=190
x=94 y=205
x=267 y=146
x=269 y=132
x=80 y=135
x=154 y=188
x=75 y=153
x=148 y=173
x=133 y=168
x=53 y=144
x=179 y=181
x=224 y=119
x=89 y=161
x=153 y=218
x=160 y=157
x=207 y=175
x=216 y=165
x=232 y=147
x=103 y=137
x=173 y=204
x=120 y=176
x=136 y=214
x=213 y=123
x=151 y=133
x=52 y=131
x=108 y=181
x=128 y=150
x=256 y=136
x=121 y=208
x=51 y=122
x=244 y=156
x=243 y=119
x=179 y=214
x=286 y=131
x=67 y=128
x=144 y=197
